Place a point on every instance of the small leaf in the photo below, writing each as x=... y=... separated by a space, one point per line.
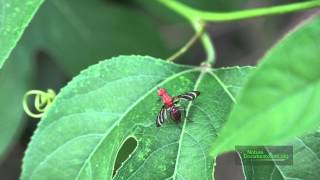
x=306 y=161
x=15 y=16
x=281 y=98
x=83 y=131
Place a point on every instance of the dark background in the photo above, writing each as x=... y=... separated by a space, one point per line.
x=236 y=43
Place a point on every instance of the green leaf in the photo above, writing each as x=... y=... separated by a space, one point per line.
x=79 y=33
x=81 y=134
x=15 y=16
x=281 y=98
x=14 y=82
x=306 y=162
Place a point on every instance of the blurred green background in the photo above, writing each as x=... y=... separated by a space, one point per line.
x=66 y=37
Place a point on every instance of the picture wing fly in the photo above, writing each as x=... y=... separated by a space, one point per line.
x=189 y=96
x=162 y=116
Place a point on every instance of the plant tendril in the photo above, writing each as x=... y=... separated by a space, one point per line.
x=42 y=101
x=206 y=42
x=189 y=44
x=191 y=13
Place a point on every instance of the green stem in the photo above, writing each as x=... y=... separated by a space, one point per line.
x=189 y=44
x=197 y=16
x=206 y=42
x=192 y=14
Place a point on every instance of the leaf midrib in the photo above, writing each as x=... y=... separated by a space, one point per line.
x=197 y=83
x=184 y=125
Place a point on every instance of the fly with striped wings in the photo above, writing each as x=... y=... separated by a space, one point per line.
x=171 y=107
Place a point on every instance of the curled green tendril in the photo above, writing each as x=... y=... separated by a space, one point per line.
x=42 y=101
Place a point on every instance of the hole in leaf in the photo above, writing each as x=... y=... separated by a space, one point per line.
x=126 y=149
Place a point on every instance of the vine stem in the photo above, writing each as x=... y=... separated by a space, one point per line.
x=199 y=27
x=188 y=45
x=206 y=42
x=191 y=13
x=199 y=18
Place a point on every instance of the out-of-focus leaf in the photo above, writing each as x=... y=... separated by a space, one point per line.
x=81 y=134
x=78 y=33
x=15 y=16
x=281 y=98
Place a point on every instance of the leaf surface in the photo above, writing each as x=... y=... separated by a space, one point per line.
x=81 y=134
x=15 y=16
x=280 y=100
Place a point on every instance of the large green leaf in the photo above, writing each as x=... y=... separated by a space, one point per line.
x=14 y=82
x=15 y=15
x=81 y=134
x=78 y=33
x=281 y=98
x=306 y=162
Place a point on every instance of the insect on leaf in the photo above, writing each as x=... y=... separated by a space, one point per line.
x=81 y=134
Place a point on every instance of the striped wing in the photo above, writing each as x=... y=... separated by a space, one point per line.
x=189 y=96
x=162 y=116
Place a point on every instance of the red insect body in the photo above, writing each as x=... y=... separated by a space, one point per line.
x=166 y=99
